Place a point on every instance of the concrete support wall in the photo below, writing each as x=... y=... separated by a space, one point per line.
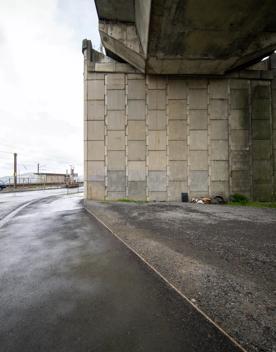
x=153 y=137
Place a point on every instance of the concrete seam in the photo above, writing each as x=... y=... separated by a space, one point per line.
x=168 y=283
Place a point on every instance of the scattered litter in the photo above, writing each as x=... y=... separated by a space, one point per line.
x=206 y=200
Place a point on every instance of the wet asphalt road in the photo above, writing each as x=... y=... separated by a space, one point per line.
x=67 y=284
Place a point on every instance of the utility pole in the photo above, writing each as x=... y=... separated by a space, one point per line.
x=38 y=168
x=14 y=170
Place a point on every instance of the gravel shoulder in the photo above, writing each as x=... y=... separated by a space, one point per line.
x=222 y=258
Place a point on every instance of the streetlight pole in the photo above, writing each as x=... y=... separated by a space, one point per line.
x=15 y=170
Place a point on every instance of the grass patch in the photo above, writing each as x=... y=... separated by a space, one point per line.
x=254 y=204
x=126 y=200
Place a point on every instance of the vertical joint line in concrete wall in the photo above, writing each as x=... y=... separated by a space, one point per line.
x=250 y=101
x=272 y=142
x=147 y=138
x=229 y=139
x=126 y=130
x=188 y=138
x=167 y=137
x=105 y=138
x=209 y=139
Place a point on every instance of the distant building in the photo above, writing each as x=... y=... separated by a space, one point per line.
x=51 y=178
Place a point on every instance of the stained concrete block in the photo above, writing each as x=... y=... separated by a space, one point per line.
x=175 y=189
x=261 y=109
x=137 y=190
x=219 y=170
x=158 y=196
x=177 y=170
x=157 y=82
x=240 y=160
x=135 y=76
x=198 y=140
x=95 y=190
x=198 y=99
x=95 y=171
x=260 y=91
x=157 y=181
x=116 y=181
x=261 y=129
x=177 y=109
x=197 y=83
x=219 y=129
x=116 y=195
x=199 y=160
x=177 y=150
x=239 y=98
x=136 y=109
x=116 y=140
x=199 y=181
x=95 y=76
x=116 y=120
x=157 y=140
x=95 y=110
x=218 y=109
x=136 y=130
x=239 y=119
x=263 y=191
x=218 y=89
x=262 y=170
x=136 y=171
x=198 y=119
x=115 y=81
x=220 y=188
x=156 y=99
x=95 y=130
x=95 y=90
x=219 y=150
x=239 y=139
x=177 y=130
x=157 y=119
x=157 y=160
x=261 y=149
x=239 y=83
x=95 y=150
x=115 y=99
x=177 y=89
x=136 y=89
x=116 y=160
x=136 y=150
x=241 y=182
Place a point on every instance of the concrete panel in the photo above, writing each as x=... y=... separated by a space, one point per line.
x=198 y=140
x=93 y=76
x=157 y=160
x=116 y=160
x=95 y=110
x=175 y=189
x=240 y=160
x=136 y=89
x=158 y=196
x=136 y=171
x=157 y=140
x=219 y=171
x=135 y=76
x=177 y=150
x=95 y=130
x=241 y=182
x=157 y=82
x=261 y=129
x=218 y=109
x=116 y=181
x=116 y=120
x=157 y=119
x=95 y=150
x=177 y=130
x=115 y=81
x=239 y=99
x=261 y=149
x=261 y=109
x=156 y=99
x=220 y=188
x=198 y=99
x=262 y=170
x=199 y=181
x=95 y=90
x=263 y=192
x=177 y=170
x=239 y=83
x=95 y=171
x=157 y=181
x=199 y=160
x=197 y=83
x=219 y=129
x=198 y=119
x=136 y=130
x=218 y=89
x=116 y=140
x=136 y=150
x=95 y=190
x=239 y=139
x=115 y=99
x=177 y=109
x=137 y=190
x=219 y=150
x=177 y=89
x=116 y=195
x=239 y=119
x=136 y=109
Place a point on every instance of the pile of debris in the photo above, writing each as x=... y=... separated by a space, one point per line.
x=206 y=200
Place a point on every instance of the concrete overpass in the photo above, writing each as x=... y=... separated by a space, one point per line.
x=188 y=36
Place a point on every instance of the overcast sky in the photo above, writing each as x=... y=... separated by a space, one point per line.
x=41 y=82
